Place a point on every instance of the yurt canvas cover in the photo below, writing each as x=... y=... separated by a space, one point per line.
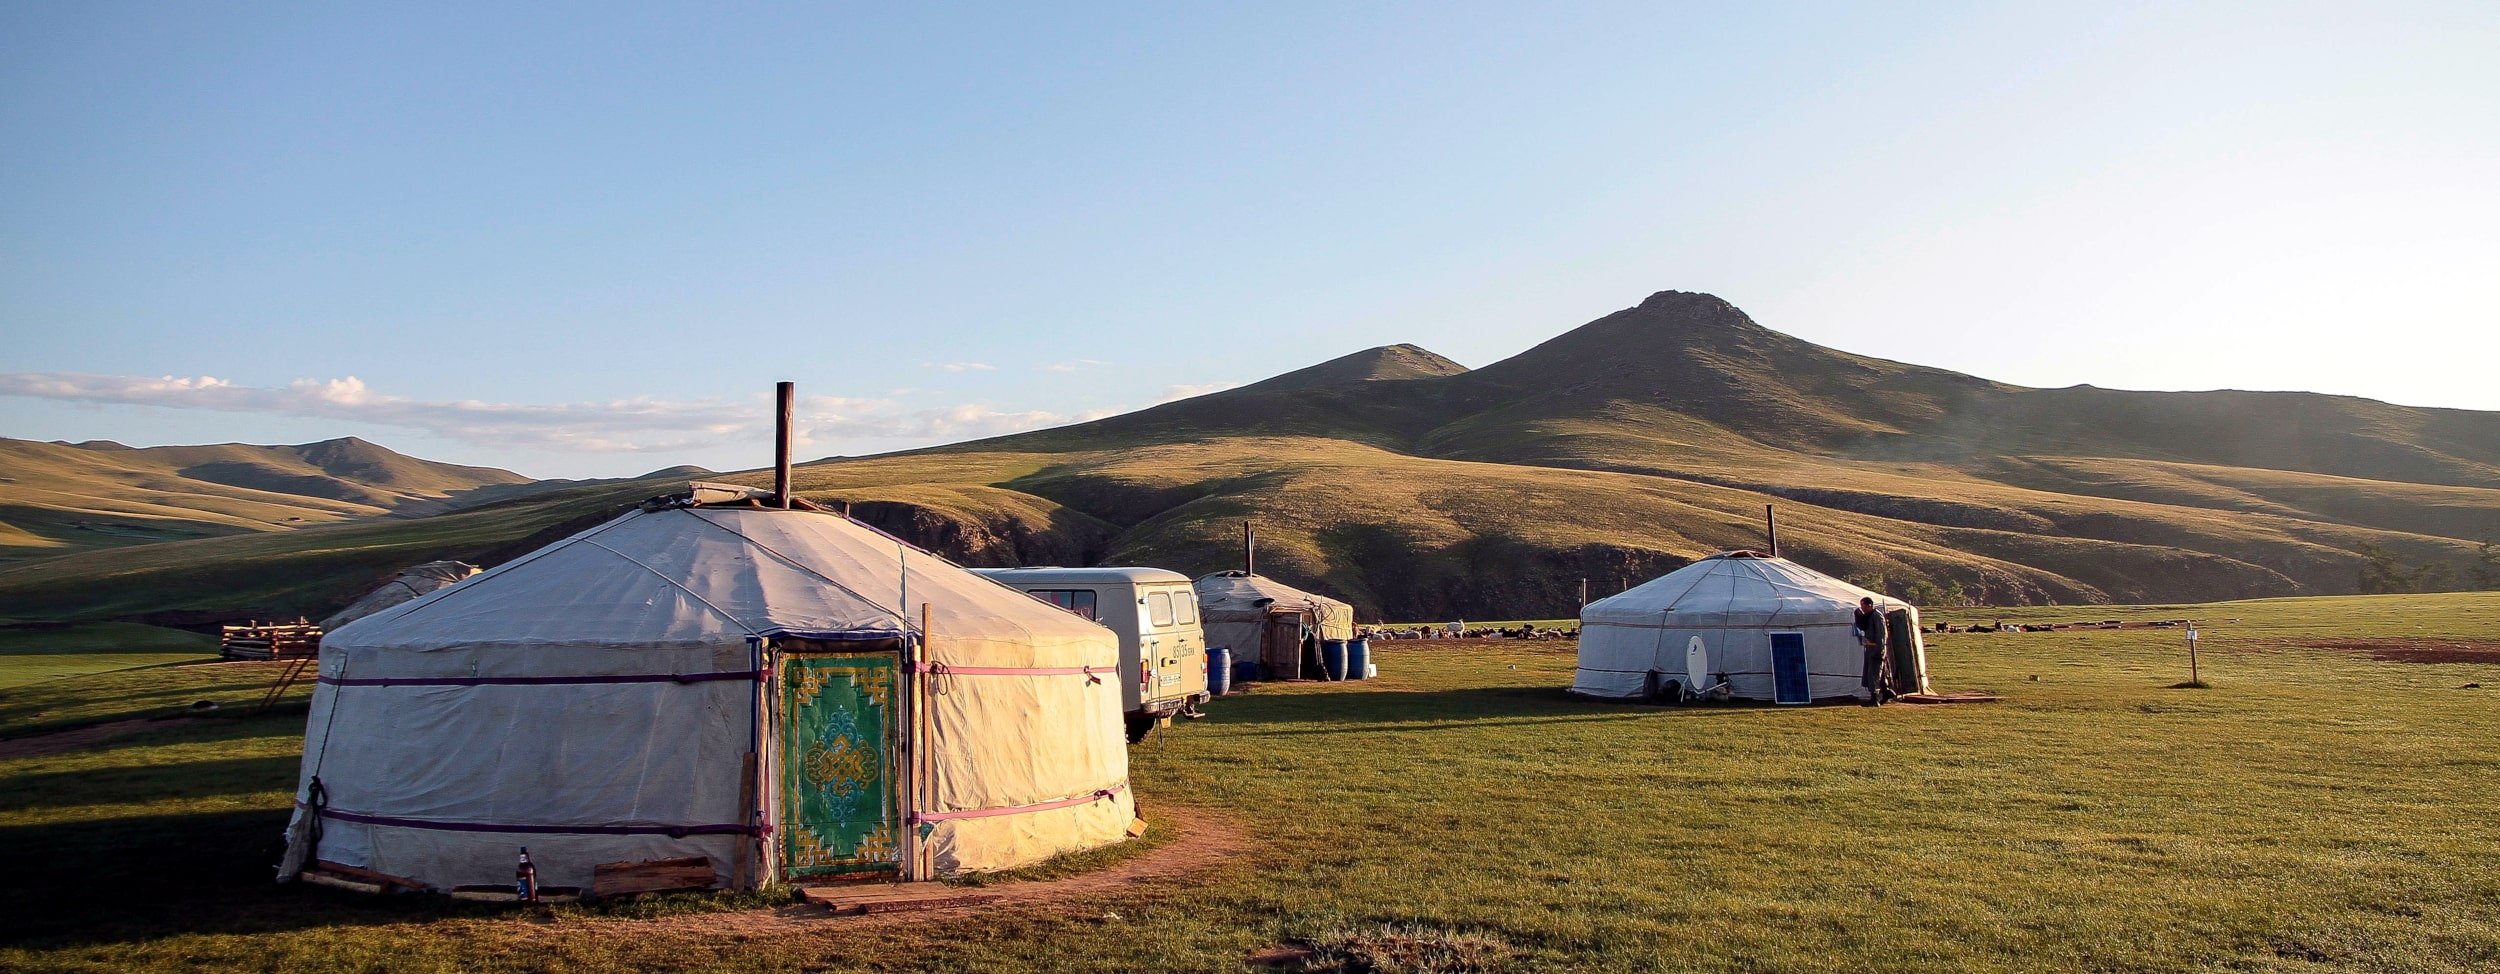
x=1240 y=612
x=1632 y=643
x=408 y=584
x=737 y=684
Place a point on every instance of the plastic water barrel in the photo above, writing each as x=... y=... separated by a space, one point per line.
x=1245 y=671
x=1219 y=671
x=1358 y=658
x=1332 y=658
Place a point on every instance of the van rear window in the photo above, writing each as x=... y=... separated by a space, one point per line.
x=1185 y=606
x=1159 y=608
x=1077 y=600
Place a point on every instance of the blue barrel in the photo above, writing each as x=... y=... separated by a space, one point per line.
x=1358 y=658
x=1219 y=671
x=1245 y=671
x=1332 y=658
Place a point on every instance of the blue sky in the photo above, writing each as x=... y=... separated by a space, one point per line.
x=584 y=240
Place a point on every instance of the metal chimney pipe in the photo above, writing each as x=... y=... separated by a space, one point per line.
x=1771 y=521
x=787 y=395
x=1249 y=550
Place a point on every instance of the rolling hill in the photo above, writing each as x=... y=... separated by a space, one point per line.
x=1418 y=488
x=100 y=494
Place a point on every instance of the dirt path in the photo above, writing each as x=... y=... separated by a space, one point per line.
x=82 y=738
x=1203 y=843
x=2402 y=650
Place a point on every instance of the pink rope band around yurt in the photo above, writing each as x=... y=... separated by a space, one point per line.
x=1084 y=799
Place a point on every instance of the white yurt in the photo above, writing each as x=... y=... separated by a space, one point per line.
x=1762 y=627
x=749 y=685
x=1260 y=618
x=407 y=584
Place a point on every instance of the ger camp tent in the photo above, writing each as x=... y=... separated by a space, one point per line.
x=750 y=686
x=407 y=584
x=1765 y=627
x=1260 y=618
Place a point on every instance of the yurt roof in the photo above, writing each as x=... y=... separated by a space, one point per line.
x=1240 y=591
x=694 y=576
x=1739 y=588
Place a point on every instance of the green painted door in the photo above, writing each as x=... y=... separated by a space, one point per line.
x=838 y=780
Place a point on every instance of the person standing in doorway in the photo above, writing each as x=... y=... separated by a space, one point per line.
x=1871 y=632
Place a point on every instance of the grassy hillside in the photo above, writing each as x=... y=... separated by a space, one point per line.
x=2316 y=809
x=1416 y=488
x=63 y=497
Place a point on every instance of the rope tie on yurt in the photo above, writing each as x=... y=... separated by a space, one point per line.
x=317 y=802
x=674 y=831
x=944 y=672
x=1098 y=794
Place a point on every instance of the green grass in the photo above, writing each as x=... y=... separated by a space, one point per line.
x=34 y=655
x=2315 y=810
x=171 y=691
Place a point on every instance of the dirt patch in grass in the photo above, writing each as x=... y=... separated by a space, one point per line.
x=1202 y=841
x=2419 y=650
x=82 y=738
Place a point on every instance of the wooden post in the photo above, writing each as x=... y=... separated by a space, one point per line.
x=786 y=395
x=923 y=762
x=2193 y=676
x=1771 y=523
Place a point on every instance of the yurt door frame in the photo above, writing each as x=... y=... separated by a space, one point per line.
x=839 y=723
x=1281 y=636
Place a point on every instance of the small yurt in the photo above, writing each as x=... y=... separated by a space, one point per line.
x=1750 y=625
x=403 y=586
x=778 y=694
x=1260 y=618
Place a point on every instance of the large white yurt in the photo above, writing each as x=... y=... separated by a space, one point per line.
x=1260 y=618
x=748 y=685
x=1764 y=627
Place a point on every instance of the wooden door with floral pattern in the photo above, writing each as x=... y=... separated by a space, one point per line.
x=840 y=811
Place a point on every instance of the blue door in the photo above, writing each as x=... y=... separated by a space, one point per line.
x=1788 y=668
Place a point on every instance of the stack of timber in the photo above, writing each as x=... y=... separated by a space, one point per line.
x=277 y=640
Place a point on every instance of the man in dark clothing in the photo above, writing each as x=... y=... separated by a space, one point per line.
x=1871 y=631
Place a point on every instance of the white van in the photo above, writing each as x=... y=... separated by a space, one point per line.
x=1163 y=653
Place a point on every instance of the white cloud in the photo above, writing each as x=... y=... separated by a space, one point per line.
x=1077 y=365
x=638 y=425
x=960 y=366
x=1177 y=393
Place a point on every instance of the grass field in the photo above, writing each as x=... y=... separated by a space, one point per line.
x=34 y=655
x=2316 y=809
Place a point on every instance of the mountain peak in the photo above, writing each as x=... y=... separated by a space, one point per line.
x=1386 y=362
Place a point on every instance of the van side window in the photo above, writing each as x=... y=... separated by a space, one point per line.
x=1159 y=608
x=1185 y=607
x=1077 y=600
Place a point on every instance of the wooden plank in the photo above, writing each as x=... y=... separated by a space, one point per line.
x=652 y=876
x=894 y=897
x=367 y=875
x=340 y=882
x=505 y=894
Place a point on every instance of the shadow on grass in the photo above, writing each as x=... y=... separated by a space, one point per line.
x=117 y=880
x=145 y=783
